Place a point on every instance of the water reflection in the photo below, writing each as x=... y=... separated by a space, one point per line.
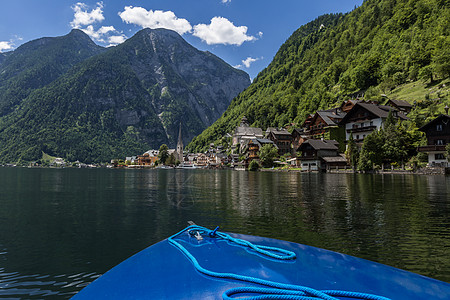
x=60 y=229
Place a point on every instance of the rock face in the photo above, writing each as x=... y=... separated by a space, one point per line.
x=184 y=83
x=102 y=103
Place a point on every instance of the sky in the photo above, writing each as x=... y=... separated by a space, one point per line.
x=244 y=33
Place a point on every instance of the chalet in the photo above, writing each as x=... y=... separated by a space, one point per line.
x=325 y=125
x=437 y=132
x=298 y=137
x=148 y=158
x=400 y=105
x=347 y=106
x=281 y=138
x=319 y=155
x=364 y=118
x=254 y=146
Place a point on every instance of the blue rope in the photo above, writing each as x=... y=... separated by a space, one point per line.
x=277 y=290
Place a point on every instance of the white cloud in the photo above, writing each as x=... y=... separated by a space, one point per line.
x=5 y=46
x=248 y=61
x=102 y=35
x=83 y=17
x=226 y=1
x=155 y=19
x=116 y=39
x=222 y=31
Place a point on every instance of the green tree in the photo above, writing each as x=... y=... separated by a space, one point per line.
x=352 y=152
x=447 y=149
x=163 y=153
x=171 y=160
x=371 y=151
x=254 y=165
x=267 y=155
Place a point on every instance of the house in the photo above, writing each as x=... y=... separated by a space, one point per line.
x=324 y=124
x=244 y=132
x=400 y=105
x=347 y=106
x=365 y=118
x=281 y=138
x=437 y=132
x=253 y=147
x=148 y=158
x=320 y=155
x=298 y=137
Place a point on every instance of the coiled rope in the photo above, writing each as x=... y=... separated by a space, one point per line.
x=276 y=290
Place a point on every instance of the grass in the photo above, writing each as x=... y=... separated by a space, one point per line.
x=47 y=158
x=420 y=91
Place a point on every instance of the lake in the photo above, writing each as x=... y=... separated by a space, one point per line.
x=60 y=229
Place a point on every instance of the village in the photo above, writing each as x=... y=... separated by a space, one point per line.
x=320 y=144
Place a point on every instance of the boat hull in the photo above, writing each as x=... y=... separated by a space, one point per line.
x=162 y=271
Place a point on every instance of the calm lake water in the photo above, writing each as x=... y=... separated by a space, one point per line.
x=62 y=228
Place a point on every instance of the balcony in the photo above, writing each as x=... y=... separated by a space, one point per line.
x=431 y=148
x=361 y=129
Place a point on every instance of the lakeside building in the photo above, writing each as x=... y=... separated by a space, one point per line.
x=149 y=158
x=243 y=133
x=437 y=132
x=320 y=155
x=365 y=118
x=281 y=138
x=253 y=146
x=324 y=124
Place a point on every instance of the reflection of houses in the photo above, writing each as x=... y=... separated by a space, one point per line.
x=364 y=118
x=245 y=133
x=320 y=155
x=281 y=138
x=438 y=136
x=400 y=105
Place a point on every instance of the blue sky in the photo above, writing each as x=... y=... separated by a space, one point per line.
x=244 y=33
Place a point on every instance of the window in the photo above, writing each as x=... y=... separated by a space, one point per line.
x=439 y=127
x=439 y=142
x=438 y=156
x=357 y=136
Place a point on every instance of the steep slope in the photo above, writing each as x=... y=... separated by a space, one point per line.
x=372 y=50
x=122 y=101
x=38 y=63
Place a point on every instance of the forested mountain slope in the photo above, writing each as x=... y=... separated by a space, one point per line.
x=120 y=102
x=38 y=63
x=375 y=48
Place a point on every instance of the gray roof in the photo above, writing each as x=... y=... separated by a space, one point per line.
x=401 y=103
x=381 y=111
x=330 y=114
x=321 y=144
x=339 y=158
x=245 y=130
x=280 y=131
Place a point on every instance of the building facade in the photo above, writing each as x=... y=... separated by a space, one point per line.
x=438 y=137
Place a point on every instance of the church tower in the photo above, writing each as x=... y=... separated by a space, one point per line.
x=180 y=147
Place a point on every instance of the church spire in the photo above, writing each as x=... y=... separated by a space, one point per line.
x=180 y=146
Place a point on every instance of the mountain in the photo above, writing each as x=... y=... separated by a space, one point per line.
x=38 y=63
x=120 y=101
x=378 y=48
